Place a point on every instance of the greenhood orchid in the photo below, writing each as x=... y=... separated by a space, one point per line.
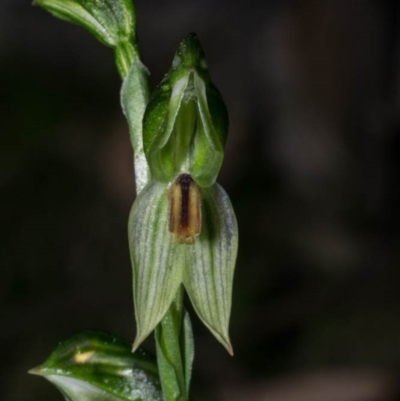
x=182 y=228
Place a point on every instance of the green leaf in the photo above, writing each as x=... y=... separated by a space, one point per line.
x=186 y=122
x=157 y=261
x=208 y=277
x=95 y=366
x=134 y=97
x=110 y=21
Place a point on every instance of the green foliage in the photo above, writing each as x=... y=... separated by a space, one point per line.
x=95 y=366
x=112 y=22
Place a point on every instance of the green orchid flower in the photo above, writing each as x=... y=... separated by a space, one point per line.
x=182 y=228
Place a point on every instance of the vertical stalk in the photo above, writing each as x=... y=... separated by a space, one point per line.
x=175 y=351
x=124 y=56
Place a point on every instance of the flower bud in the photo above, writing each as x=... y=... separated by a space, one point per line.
x=186 y=122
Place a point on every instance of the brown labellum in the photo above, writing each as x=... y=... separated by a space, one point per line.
x=185 y=209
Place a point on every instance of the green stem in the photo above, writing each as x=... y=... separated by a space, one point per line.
x=174 y=345
x=124 y=55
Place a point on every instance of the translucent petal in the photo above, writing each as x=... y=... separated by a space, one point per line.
x=208 y=276
x=157 y=260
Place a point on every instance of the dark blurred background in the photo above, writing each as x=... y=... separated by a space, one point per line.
x=312 y=167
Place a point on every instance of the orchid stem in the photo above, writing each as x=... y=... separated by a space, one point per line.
x=174 y=345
